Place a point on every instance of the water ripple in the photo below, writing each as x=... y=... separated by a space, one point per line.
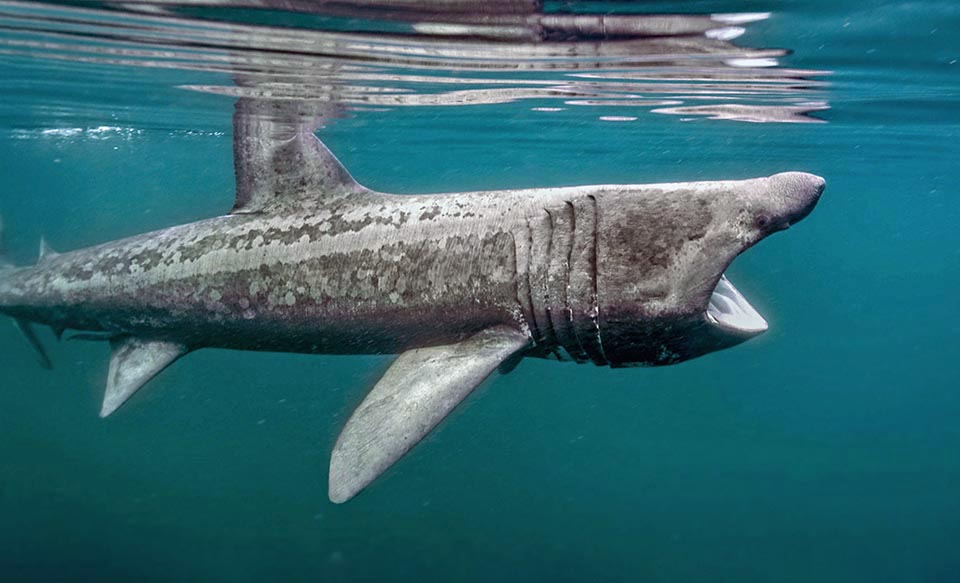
x=376 y=54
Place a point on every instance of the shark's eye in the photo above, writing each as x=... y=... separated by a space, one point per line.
x=763 y=220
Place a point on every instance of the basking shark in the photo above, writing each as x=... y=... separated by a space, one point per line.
x=459 y=285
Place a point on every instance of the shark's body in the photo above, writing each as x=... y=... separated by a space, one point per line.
x=376 y=278
x=459 y=284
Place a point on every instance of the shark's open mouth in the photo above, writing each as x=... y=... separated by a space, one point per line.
x=731 y=311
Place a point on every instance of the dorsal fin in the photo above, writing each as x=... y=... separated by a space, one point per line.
x=279 y=162
x=46 y=252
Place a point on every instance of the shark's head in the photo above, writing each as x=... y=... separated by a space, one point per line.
x=661 y=293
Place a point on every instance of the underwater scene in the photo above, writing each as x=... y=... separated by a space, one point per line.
x=462 y=290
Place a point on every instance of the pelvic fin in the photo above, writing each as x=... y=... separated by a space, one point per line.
x=133 y=363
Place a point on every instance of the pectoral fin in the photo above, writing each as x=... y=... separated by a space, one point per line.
x=421 y=388
x=132 y=364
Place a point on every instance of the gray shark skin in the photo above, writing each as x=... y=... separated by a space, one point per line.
x=459 y=285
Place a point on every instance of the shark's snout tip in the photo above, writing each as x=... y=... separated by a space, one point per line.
x=797 y=193
x=800 y=182
x=817 y=184
x=814 y=188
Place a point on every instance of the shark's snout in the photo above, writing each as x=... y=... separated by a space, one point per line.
x=796 y=194
x=790 y=196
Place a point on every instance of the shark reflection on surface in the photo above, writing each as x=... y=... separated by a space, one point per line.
x=387 y=54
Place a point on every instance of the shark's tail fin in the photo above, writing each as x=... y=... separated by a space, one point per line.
x=24 y=326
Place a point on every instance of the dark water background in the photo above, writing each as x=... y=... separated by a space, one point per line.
x=824 y=450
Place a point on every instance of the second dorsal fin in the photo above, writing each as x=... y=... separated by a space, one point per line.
x=280 y=163
x=46 y=251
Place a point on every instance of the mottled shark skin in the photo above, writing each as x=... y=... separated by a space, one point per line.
x=459 y=284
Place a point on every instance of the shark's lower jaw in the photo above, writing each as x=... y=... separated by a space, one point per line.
x=730 y=311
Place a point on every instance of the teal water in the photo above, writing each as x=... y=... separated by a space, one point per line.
x=823 y=450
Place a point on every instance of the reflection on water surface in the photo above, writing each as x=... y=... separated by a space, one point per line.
x=336 y=57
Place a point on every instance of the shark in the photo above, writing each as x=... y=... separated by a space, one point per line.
x=459 y=285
